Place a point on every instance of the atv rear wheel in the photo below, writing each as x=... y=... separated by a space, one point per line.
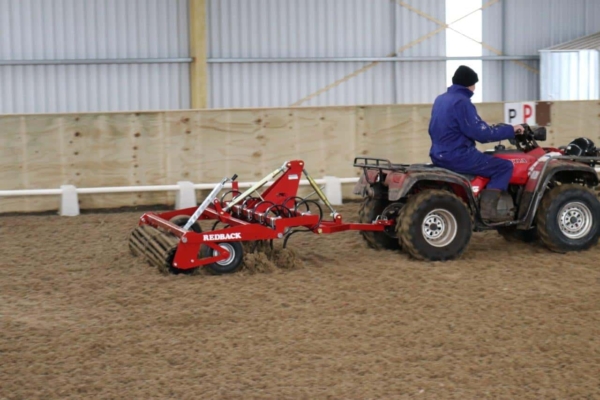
x=569 y=219
x=370 y=209
x=436 y=225
x=512 y=234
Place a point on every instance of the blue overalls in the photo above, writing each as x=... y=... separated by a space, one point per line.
x=455 y=127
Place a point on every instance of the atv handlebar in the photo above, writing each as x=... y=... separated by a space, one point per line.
x=528 y=139
x=537 y=134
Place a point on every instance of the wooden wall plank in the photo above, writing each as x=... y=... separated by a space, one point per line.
x=387 y=133
x=180 y=145
x=338 y=128
x=12 y=161
x=570 y=120
x=203 y=146
x=230 y=141
x=308 y=138
x=40 y=137
x=275 y=142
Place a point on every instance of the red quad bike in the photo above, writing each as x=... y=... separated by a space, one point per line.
x=436 y=210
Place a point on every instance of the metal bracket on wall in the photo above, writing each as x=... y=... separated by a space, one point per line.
x=365 y=59
x=95 y=61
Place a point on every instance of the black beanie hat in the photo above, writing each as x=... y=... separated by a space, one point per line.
x=465 y=76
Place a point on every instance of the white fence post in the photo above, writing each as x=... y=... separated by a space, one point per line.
x=333 y=190
x=69 y=201
x=186 y=195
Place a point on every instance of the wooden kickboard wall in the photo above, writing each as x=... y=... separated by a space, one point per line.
x=45 y=151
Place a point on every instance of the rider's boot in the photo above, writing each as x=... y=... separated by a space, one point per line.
x=496 y=205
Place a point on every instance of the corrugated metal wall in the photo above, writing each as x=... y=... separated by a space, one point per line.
x=100 y=29
x=420 y=81
x=315 y=28
x=570 y=75
x=93 y=29
x=523 y=27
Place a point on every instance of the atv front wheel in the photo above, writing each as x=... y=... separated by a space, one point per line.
x=569 y=219
x=370 y=209
x=436 y=225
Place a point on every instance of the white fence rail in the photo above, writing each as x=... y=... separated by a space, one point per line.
x=186 y=192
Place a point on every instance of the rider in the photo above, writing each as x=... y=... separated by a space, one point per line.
x=454 y=128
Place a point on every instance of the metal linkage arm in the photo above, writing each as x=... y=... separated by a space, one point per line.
x=256 y=186
x=321 y=195
x=209 y=199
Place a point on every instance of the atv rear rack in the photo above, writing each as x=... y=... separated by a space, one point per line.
x=379 y=164
x=276 y=213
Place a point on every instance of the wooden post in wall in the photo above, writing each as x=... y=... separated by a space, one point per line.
x=198 y=67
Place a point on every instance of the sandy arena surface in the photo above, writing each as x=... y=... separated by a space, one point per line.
x=81 y=318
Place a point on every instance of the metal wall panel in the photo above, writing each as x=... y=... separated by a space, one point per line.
x=75 y=29
x=492 y=33
x=299 y=28
x=570 y=75
x=315 y=28
x=281 y=85
x=509 y=27
x=420 y=82
x=93 y=29
x=91 y=88
x=556 y=21
x=592 y=16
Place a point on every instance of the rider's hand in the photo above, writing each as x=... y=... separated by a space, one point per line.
x=519 y=129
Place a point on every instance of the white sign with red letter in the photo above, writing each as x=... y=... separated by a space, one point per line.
x=519 y=113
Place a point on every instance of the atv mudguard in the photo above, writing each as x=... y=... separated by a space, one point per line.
x=567 y=171
x=399 y=184
x=366 y=181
